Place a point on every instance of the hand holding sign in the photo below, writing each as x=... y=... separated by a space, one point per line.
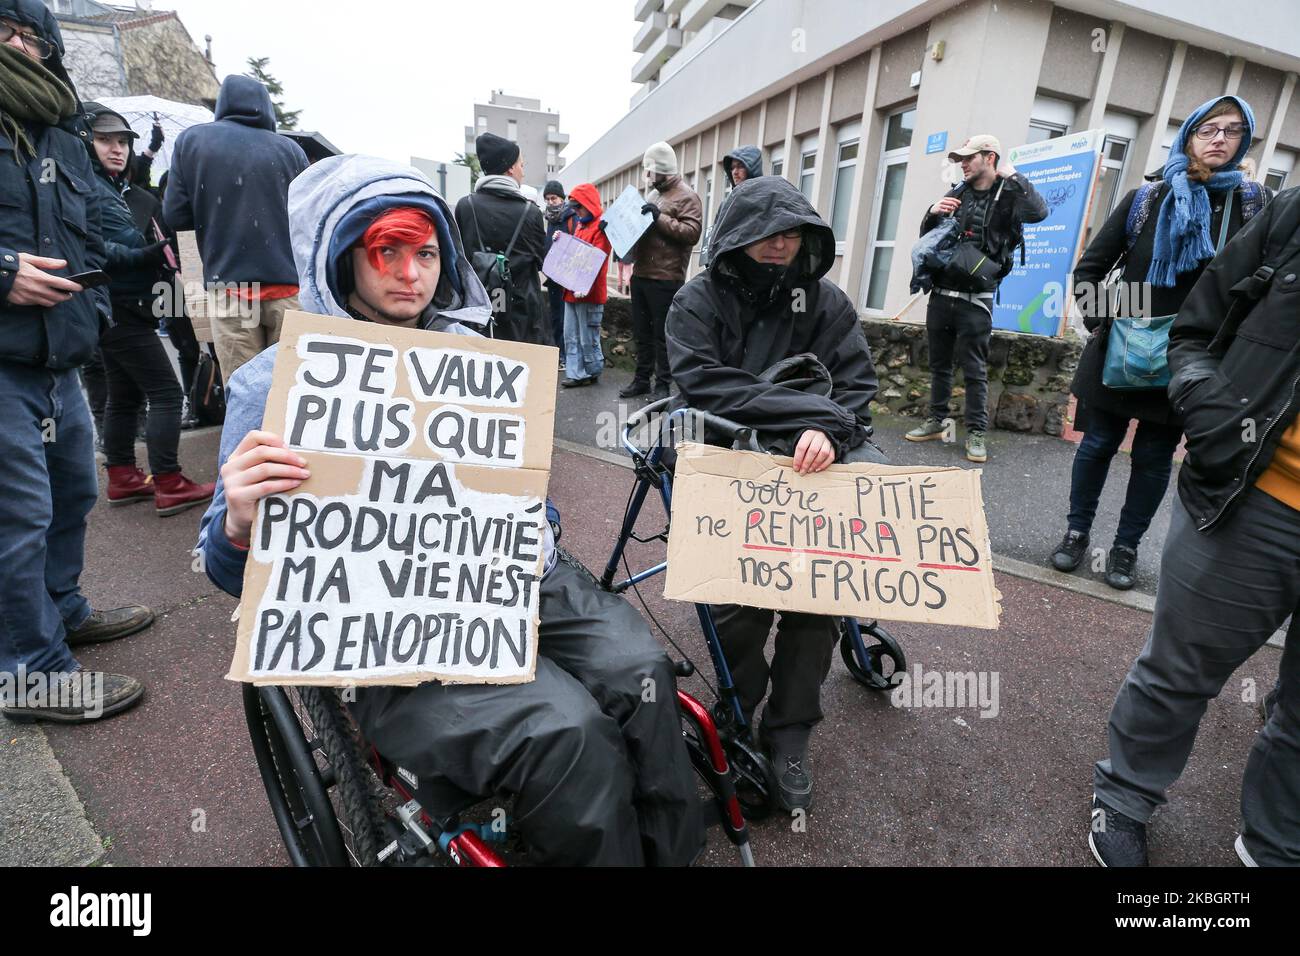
x=260 y=465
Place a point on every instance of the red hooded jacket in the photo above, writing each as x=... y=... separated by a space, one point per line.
x=586 y=195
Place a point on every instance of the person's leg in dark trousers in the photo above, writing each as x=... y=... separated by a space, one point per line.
x=643 y=330
x=1152 y=463
x=941 y=334
x=92 y=377
x=47 y=471
x=1221 y=596
x=601 y=641
x=181 y=332
x=1103 y=435
x=661 y=300
x=743 y=632
x=555 y=298
x=136 y=362
x=546 y=743
x=974 y=328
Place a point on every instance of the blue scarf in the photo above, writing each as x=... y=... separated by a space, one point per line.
x=1182 y=240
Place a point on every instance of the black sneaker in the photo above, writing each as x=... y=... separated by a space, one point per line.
x=1116 y=839
x=110 y=625
x=634 y=389
x=1120 y=565
x=1069 y=553
x=80 y=698
x=579 y=382
x=793 y=775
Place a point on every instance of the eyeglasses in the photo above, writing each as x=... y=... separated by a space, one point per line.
x=1209 y=131
x=43 y=49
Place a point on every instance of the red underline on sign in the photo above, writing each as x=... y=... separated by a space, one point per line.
x=949 y=567
x=833 y=554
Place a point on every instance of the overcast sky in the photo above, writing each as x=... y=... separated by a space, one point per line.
x=399 y=78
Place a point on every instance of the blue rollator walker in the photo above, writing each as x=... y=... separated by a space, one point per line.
x=878 y=666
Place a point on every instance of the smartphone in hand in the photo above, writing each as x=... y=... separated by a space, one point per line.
x=91 y=280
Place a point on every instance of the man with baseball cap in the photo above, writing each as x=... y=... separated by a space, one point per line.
x=661 y=256
x=991 y=204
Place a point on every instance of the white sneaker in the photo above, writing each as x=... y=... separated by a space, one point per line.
x=1243 y=853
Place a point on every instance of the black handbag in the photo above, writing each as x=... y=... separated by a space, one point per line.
x=207 y=396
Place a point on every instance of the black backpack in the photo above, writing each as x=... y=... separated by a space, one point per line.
x=493 y=270
x=207 y=396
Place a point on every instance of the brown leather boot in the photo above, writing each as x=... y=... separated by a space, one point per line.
x=173 y=493
x=127 y=483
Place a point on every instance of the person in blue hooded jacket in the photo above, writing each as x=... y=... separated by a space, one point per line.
x=598 y=773
x=229 y=182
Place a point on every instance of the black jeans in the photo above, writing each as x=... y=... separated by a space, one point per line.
x=650 y=301
x=92 y=377
x=959 y=330
x=137 y=369
x=1153 y=460
x=555 y=301
x=181 y=332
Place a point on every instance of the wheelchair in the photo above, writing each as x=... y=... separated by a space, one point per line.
x=878 y=666
x=338 y=802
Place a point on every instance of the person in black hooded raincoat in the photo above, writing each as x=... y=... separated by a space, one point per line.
x=764 y=301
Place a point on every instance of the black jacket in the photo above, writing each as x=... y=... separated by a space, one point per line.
x=1018 y=202
x=1106 y=249
x=1233 y=387
x=496 y=211
x=229 y=181
x=49 y=207
x=722 y=336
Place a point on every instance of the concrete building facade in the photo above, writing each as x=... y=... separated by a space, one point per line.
x=522 y=120
x=842 y=95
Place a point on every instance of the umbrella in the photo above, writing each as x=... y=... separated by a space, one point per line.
x=316 y=146
x=174 y=117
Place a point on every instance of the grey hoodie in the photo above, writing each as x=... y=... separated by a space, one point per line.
x=319 y=200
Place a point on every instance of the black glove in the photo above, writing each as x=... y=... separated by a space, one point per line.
x=603 y=225
x=156 y=138
x=152 y=254
x=652 y=209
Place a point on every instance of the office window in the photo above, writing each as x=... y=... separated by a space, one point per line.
x=1275 y=179
x=1040 y=130
x=777 y=157
x=482 y=124
x=1114 y=161
x=888 y=204
x=807 y=173
x=846 y=167
x=512 y=130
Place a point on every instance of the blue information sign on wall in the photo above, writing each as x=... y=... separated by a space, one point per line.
x=936 y=142
x=1063 y=170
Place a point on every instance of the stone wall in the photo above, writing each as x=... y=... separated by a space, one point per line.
x=1029 y=376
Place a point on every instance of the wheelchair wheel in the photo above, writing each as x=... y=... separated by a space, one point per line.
x=887 y=662
x=311 y=769
x=299 y=801
x=354 y=789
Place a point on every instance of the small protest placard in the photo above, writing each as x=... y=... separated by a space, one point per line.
x=573 y=263
x=868 y=541
x=416 y=548
x=625 y=222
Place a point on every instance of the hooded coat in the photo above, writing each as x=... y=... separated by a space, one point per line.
x=340 y=196
x=57 y=218
x=587 y=203
x=497 y=207
x=664 y=251
x=725 y=329
x=748 y=156
x=229 y=181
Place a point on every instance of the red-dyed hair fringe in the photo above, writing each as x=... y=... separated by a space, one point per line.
x=404 y=226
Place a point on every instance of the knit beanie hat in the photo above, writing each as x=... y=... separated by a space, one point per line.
x=495 y=153
x=553 y=188
x=660 y=159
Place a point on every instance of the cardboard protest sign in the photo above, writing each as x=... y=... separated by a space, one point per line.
x=573 y=263
x=868 y=541
x=416 y=548
x=194 y=291
x=625 y=222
